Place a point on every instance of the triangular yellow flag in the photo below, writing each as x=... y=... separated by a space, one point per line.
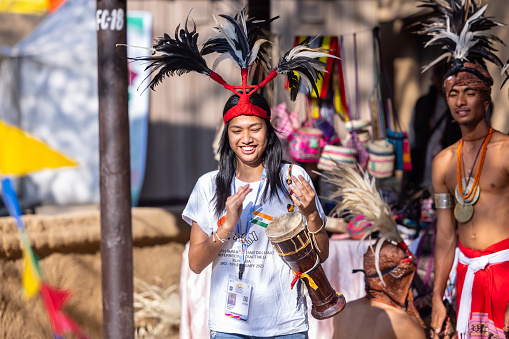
x=31 y=279
x=24 y=6
x=21 y=153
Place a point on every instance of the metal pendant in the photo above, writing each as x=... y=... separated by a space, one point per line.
x=463 y=212
x=474 y=197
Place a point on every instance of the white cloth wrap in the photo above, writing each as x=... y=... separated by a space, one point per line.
x=474 y=265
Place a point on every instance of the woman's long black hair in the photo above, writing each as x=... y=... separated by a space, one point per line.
x=272 y=158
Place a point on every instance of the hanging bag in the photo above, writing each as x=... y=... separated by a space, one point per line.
x=399 y=141
x=306 y=144
x=283 y=121
x=381 y=159
x=332 y=156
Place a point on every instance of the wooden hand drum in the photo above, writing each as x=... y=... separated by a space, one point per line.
x=290 y=238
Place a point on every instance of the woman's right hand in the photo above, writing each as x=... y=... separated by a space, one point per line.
x=234 y=207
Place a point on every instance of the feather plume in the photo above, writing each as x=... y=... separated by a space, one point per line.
x=356 y=194
x=460 y=27
x=177 y=55
x=504 y=71
x=302 y=60
x=239 y=39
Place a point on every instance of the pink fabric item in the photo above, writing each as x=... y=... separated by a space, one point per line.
x=284 y=122
x=358 y=226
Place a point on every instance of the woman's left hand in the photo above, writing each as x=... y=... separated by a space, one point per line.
x=303 y=196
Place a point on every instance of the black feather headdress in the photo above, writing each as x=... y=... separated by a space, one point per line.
x=460 y=27
x=506 y=74
x=302 y=60
x=240 y=39
x=177 y=56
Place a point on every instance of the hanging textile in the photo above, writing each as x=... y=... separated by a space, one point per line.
x=395 y=134
x=332 y=86
x=356 y=66
x=340 y=96
x=379 y=129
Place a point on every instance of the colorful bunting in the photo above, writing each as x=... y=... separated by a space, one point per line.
x=32 y=7
x=54 y=300
x=21 y=153
x=31 y=275
x=32 y=280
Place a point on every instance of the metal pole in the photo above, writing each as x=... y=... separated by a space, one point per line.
x=116 y=233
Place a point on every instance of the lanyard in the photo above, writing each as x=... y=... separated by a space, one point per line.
x=242 y=237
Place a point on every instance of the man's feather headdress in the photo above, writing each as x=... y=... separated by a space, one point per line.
x=240 y=39
x=461 y=28
x=356 y=194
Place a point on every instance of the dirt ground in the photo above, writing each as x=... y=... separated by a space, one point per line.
x=158 y=238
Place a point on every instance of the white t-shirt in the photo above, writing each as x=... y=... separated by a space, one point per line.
x=274 y=307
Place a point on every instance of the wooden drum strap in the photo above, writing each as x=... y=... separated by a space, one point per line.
x=300 y=275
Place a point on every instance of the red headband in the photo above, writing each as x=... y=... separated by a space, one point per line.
x=244 y=107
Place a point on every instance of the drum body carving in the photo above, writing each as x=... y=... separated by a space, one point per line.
x=289 y=237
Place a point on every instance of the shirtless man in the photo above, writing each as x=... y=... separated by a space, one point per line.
x=481 y=214
x=378 y=320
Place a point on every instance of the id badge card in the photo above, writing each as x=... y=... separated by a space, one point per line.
x=238 y=297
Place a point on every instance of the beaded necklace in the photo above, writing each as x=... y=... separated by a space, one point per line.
x=479 y=168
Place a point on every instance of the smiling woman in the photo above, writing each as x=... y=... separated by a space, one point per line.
x=229 y=208
x=251 y=187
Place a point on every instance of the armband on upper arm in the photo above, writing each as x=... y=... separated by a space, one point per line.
x=444 y=200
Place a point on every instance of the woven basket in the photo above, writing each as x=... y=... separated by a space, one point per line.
x=380 y=147
x=356 y=125
x=381 y=159
x=336 y=154
x=360 y=128
x=363 y=136
x=306 y=144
